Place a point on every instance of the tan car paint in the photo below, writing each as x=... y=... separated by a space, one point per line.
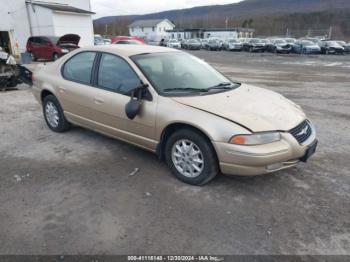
x=272 y=107
x=219 y=116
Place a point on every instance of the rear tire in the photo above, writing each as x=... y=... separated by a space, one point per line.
x=54 y=115
x=191 y=157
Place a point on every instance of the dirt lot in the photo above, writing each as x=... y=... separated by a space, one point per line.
x=72 y=193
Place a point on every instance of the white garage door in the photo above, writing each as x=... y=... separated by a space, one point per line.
x=67 y=23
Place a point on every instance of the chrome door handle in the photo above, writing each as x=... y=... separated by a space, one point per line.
x=98 y=101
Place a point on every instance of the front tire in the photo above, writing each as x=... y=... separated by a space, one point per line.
x=191 y=157
x=54 y=115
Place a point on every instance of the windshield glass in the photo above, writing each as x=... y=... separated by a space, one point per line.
x=176 y=73
x=53 y=39
x=290 y=40
x=307 y=43
x=332 y=43
x=255 y=41
x=280 y=41
x=173 y=41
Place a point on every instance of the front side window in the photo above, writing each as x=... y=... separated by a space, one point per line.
x=177 y=73
x=115 y=74
x=79 y=67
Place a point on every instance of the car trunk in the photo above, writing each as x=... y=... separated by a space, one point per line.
x=70 y=41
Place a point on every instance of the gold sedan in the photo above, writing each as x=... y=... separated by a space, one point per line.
x=178 y=106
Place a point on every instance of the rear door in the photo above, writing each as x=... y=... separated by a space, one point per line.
x=76 y=92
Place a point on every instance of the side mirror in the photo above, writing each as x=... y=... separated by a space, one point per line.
x=132 y=108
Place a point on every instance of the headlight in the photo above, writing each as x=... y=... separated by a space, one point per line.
x=255 y=139
x=64 y=50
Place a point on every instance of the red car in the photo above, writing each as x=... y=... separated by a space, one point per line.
x=51 y=47
x=123 y=38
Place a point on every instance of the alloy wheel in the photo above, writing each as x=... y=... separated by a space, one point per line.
x=187 y=158
x=52 y=115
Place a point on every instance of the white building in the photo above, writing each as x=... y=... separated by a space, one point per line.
x=152 y=30
x=21 y=19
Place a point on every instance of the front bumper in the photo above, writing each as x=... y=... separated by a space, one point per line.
x=261 y=159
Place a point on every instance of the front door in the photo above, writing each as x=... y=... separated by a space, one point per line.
x=115 y=79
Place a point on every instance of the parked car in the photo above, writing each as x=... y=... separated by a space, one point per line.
x=232 y=45
x=98 y=40
x=153 y=97
x=290 y=41
x=279 y=46
x=345 y=45
x=9 y=71
x=128 y=42
x=331 y=47
x=173 y=43
x=213 y=44
x=183 y=43
x=51 y=47
x=192 y=44
x=107 y=41
x=254 y=45
x=118 y=38
x=204 y=43
x=306 y=47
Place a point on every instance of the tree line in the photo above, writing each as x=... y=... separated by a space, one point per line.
x=297 y=24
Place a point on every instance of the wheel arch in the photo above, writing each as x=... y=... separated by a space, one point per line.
x=173 y=127
x=45 y=93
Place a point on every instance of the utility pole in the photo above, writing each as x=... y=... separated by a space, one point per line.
x=330 y=32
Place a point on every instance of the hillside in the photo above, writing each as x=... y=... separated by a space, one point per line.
x=250 y=10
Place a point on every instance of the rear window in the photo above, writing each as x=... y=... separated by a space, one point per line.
x=79 y=67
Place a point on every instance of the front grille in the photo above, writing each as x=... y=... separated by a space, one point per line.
x=301 y=132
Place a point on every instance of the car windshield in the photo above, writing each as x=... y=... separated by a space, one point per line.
x=173 y=41
x=280 y=41
x=264 y=41
x=177 y=73
x=290 y=40
x=307 y=43
x=233 y=41
x=255 y=40
x=332 y=43
x=193 y=41
x=53 y=39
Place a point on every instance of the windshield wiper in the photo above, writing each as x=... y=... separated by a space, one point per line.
x=223 y=85
x=186 y=89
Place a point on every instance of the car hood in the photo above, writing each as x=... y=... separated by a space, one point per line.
x=69 y=39
x=255 y=108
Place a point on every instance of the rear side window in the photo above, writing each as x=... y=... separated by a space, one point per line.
x=115 y=74
x=79 y=67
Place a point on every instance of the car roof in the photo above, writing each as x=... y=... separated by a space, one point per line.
x=129 y=50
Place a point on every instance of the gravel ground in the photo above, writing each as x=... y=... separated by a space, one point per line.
x=72 y=193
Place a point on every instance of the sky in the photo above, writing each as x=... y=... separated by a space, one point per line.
x=132 y=7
